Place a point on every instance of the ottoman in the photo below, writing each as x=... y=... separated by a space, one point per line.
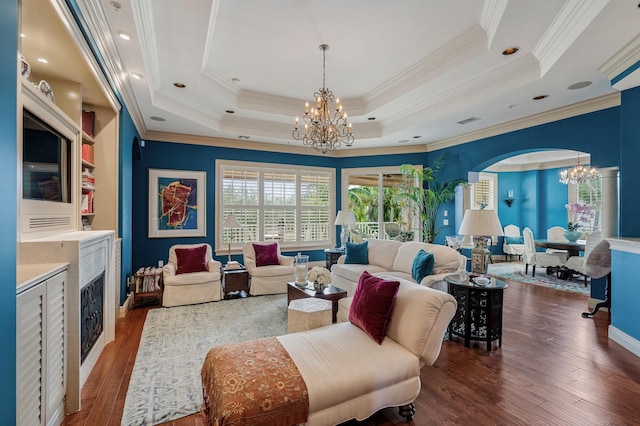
x=309 y=313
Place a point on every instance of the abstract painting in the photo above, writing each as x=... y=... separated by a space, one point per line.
x=176 y=203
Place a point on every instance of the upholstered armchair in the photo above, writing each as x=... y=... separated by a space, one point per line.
x=513 y=244
x=268 y=268
x=536 y=258
x=191 y=276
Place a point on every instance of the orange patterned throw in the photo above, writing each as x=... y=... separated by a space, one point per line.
x=253 y=383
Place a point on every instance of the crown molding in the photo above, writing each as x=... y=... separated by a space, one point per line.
x=573 y=110
x=622 y=61
x=574 y=17
x=143 y=17
x=492 y=13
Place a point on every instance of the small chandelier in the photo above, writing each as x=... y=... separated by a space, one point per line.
x=578 y=174
x=326 y=127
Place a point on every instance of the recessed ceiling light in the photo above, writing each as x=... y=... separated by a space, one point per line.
x=243 y=137
x=43 y=60
x=124 y=35
x=136 y=76
x=510 y=51
x=371 y=118
x=23 y=35
x=230 y=111
x=180 y=85
x=579 y=85
x=156 y=118
x=417 y=137
x=235 y=80
x=540 y=97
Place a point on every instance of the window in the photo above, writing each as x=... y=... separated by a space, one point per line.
x=291 y=204
x=589 y=193
x=483 y=192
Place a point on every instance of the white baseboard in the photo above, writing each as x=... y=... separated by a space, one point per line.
x=125 y=306
x=624 y=340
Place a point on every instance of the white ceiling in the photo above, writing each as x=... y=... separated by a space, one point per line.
x=417 y=66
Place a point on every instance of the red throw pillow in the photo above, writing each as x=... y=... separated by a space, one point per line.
x=266 y=254
x=372 y=305
x=191 y=259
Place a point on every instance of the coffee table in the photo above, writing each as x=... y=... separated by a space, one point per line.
x=331 y=293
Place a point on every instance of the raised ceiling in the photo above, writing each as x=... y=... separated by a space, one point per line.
x=407 y=72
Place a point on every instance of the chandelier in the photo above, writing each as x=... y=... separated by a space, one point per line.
x=326 y=126
x=578 y=174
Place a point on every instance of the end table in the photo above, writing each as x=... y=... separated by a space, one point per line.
x=332 y=255
x=235 y=282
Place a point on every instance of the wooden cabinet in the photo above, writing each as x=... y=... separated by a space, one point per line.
x=40 y=351
x=235 y=282
x=148 y=286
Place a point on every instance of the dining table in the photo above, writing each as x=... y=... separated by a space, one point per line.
x=572 y=248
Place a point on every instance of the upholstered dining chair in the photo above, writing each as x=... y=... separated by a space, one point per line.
x=513 y=244
x=536 y=258
x=191 y=276
x=268 y=268
x=578 y=264
x=556 y=233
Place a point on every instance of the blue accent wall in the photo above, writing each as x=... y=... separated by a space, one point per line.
x=8 y=224
x=625 y=297
x=175 y=156
x=129 y=143
x=629 y=155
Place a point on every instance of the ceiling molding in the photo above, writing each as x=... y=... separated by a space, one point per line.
x=174 y=103
x=591 y=105
x=626 y=57
x=452 y=54
x=143 y=17
x=512 y=74
x=492 y=13
x=546 y=165
x=574 y=17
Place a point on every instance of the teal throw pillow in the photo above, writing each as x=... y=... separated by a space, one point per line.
x=422 y=265
x=514 y=240
x=357 y=253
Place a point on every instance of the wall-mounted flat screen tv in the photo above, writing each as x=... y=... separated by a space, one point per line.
x=46 y=159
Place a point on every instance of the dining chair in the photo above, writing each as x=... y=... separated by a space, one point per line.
x=578 y=264
x=536 y=258
x=556 y=233
x=513 y=244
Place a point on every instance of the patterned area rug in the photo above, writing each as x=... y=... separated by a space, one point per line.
x=165 y=383
x=515 y=271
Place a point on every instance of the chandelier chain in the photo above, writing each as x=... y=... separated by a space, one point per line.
x=324 y=130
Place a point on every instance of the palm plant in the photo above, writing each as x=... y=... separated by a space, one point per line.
x=426 y=199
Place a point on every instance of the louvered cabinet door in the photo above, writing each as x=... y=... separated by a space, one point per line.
x=55 y=349
x=30 y=339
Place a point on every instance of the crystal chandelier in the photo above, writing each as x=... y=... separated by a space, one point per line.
x=326 y=127
x=578 y=174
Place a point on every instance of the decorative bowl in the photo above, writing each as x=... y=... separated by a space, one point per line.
x=481 y=281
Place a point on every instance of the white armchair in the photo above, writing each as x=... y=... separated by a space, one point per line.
x=536 y=258
x=191 y=276
x=509 y=247
x=578 y=264
x=268 y=278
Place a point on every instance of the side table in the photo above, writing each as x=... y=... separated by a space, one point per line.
x=479 y=312
x=235 y=282
x=331 y=293
x=332 y=255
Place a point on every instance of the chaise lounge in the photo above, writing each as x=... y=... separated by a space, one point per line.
x=332 y=374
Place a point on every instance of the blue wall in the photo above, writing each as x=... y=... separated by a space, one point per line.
x=629 y=155
x=164 y=155
x=625 y=297
x=8 y=227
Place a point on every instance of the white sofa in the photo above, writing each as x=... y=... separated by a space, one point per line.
x=394 y=259
x=348 y=375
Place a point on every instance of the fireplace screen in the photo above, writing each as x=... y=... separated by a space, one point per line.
x=91 y=315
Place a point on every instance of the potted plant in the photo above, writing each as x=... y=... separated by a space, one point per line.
x=426 y=199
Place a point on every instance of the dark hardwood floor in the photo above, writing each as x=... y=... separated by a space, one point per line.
x=554 y=368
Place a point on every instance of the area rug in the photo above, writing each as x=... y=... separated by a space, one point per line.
x=515 y=271
x=165 y=383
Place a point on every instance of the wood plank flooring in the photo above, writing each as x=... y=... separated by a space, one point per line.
x=554 y=368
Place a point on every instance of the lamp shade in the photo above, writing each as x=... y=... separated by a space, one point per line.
x=481 y=223
x=345 y=217
x=231 y=222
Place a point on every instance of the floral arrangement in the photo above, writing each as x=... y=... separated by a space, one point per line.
x=578 y=214
x=320 y=274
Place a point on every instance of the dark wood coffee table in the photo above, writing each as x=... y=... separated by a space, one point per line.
x=331 y=293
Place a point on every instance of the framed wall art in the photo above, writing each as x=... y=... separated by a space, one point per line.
x=177 y=203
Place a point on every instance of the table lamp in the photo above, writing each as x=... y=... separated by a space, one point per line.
x=230 y=222
x=481 y=224
x=345 y=218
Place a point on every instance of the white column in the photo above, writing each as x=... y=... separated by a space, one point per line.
x=609 y=207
